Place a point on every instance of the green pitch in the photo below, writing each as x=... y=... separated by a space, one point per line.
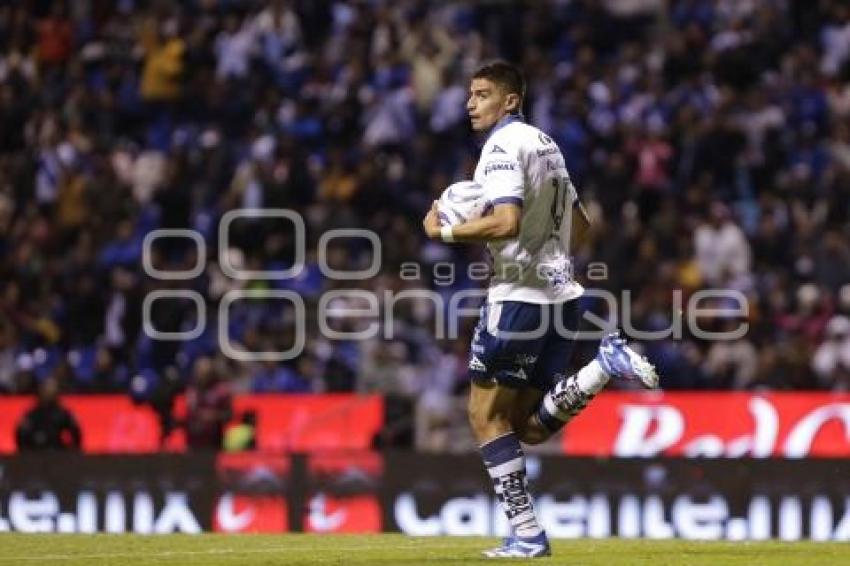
x=245 y=550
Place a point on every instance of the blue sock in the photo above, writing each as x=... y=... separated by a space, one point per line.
x=505 y=463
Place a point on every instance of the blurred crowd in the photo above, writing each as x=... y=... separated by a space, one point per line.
x=709 y=139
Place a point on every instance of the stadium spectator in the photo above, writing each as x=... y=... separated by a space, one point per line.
x=242 y=436
x=709 y=136
x=163 y=66
x=721 y=247
x=732 y=364
x=831 y=361
x=208 y=407
x=48 y=425
x=55 y=36
x=8 y=354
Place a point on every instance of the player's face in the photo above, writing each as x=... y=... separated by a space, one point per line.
x=487 y=104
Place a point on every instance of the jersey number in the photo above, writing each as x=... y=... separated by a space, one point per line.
x=559 y=202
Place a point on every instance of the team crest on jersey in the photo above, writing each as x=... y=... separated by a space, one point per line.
x=497 y=149
x=558 y=277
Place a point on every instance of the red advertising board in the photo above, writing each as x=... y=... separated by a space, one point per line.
x=110 y=423
x=729 y=424
x=307 y=423
x=627 y=424
x=342 y=497
x=302 y=423
x=350 y=514
x=424 y=495
x=253 y=489
x=235 y=513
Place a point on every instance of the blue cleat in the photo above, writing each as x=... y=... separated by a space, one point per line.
x=620 y=361
x=516 y=547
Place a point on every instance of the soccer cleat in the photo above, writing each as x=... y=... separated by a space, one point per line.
x=618 y=360
x=516 y=547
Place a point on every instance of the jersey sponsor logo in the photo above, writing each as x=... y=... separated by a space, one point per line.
x=476 y=364
x=497 y=149
x=544 y=139
x=547 y=151
x=499 y=166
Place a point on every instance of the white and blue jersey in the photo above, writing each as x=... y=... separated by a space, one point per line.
x=532 y=281
x=520 y=164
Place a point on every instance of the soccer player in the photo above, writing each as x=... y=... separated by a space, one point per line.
x=523 y=341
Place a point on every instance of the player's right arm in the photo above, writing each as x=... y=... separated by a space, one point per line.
x=503 y=223
x=501 y=174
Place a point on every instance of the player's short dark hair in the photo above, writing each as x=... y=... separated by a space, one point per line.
x=506 y=75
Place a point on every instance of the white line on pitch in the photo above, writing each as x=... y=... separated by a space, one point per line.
x=213 y=551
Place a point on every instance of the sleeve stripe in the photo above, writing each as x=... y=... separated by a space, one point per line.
x=507 y=200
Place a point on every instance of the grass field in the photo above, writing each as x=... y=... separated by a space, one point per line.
x=214 y=550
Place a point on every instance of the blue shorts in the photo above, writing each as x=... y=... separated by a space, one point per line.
x=538 y=358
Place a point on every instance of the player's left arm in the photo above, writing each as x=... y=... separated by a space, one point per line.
x=502 y=224
x=581 y=224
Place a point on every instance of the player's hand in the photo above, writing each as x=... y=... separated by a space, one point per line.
x=431 y=223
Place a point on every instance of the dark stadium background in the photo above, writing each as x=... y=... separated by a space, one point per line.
x=709 y=139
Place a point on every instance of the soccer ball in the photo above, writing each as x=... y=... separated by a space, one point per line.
x=461 y=202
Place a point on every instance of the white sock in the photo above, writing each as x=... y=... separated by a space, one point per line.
x=592 y=378
x=570 y=395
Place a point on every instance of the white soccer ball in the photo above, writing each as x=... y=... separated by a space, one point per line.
x=461 y=202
